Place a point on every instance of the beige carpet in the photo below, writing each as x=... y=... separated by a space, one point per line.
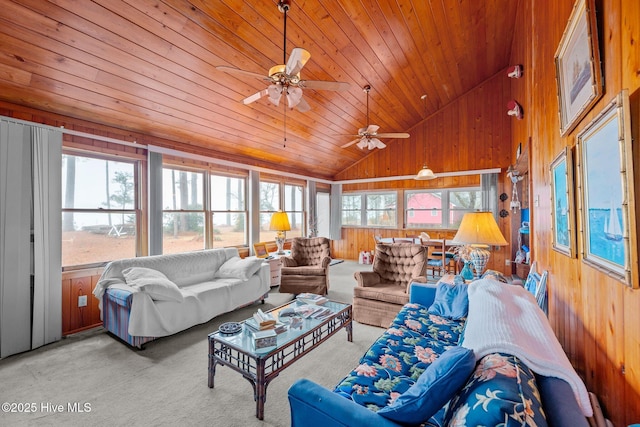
x=166 y=383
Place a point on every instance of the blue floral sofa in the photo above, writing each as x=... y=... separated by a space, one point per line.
x=387 y=388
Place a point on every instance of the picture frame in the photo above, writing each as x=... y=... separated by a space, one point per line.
x=260 y=250
x=562 y=203
x=606 y=188
x=578 y=68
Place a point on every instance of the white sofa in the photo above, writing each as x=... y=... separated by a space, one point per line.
x=145 y=298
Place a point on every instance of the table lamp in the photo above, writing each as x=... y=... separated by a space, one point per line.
x=479 y=230
x=280 y=223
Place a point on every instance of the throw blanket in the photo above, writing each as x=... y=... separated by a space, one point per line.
x=518 y=327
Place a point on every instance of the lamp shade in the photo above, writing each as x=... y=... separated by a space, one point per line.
x=424 y=174
x=479 y=228
x=279 y=222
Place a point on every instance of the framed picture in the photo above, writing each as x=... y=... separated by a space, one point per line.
x=606 y=188
x=578 y=71
x=562 y=205
x=260 y=250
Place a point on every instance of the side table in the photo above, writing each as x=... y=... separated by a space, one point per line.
x=275 y=266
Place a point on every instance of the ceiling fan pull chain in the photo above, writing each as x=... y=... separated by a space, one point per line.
x=284 y=143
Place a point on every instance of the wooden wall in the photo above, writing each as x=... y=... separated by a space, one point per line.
x=596 y=318
x=471 y=133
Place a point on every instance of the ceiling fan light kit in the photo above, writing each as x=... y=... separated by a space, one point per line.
x=285 y=78
x=368 y=136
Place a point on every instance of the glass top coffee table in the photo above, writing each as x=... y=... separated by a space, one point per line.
x=261 y=365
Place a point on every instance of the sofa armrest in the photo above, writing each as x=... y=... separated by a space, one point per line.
x=366 y=278
x=325 y=262
x=422 y=293
x=559 y=403
x=315 y=406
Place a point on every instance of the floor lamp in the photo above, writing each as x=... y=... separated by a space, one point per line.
x=479 y=230
x=280 y=223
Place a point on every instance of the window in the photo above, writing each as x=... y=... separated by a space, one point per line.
x=183 y=223
x=293 y=207
x=276 y=196
x=228 y=208
x=99 y=209
x=370 y=209
x=440 y=208
x=269 y=203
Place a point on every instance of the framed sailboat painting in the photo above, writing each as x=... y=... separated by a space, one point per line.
x=562 y=206
x=607 y=204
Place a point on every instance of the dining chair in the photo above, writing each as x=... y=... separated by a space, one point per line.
x=436 y=258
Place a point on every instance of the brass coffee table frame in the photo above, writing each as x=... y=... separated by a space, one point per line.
x=260 y=368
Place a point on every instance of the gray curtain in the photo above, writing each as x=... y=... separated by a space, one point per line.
x=312 y=209
x=336 y=212
x=154 y=167
x=489 y=187
x=30 y=236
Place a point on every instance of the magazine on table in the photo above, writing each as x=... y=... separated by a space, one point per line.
x=312 y=311
x=309 y=298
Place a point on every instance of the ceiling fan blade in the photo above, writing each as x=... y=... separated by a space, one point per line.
x=372 y=129
x=324 y=85
x=296 y=61
x=393 y=135
x=232 y=70
x=349 y=144
x=253 y=98
x=303 y=106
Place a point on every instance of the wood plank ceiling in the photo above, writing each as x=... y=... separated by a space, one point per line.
x=148 y=66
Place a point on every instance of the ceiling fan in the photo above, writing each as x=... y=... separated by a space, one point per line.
x=285 y=79
x=368 y=136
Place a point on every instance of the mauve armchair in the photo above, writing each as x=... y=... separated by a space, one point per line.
x=380 y=294
x=307 y=269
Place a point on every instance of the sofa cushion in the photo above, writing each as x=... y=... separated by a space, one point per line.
x=153 y=283
x=451 y=301
x=501 y=389
x=439 y=329
x=304 y=270
x=239 y=268
x=437 y=384
x=395 y=361
x=389 y=292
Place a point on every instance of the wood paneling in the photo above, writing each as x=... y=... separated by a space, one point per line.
x=470 y=133
x=74 y=285
x=148 y=66
x=594 y=316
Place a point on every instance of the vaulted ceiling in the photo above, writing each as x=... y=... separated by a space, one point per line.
x=149 y=66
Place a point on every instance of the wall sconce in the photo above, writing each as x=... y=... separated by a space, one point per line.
x=514 y=109
x=515 y=72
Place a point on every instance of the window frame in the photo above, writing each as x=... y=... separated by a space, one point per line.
x=136 y=210
x=446 y=209
x=364 y=208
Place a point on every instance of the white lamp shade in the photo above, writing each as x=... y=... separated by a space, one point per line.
x=479 y=228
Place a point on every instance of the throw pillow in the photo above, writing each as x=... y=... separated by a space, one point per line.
x=239 y=268
x=451 y=301
x=152 y=282
x=434 y=388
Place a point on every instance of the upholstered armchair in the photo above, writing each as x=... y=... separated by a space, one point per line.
x=307 y=269
x=380 y=294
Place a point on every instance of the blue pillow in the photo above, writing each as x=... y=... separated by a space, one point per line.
x=438 y=383
x=451 y=301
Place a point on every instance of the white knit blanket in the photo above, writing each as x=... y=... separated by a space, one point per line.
x=505 y=318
